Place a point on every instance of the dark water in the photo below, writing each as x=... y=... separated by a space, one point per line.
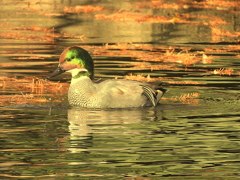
x=193 y=139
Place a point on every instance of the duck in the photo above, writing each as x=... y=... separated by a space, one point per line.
x=111 y=93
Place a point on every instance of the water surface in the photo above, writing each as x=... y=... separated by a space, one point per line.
x=192 y=134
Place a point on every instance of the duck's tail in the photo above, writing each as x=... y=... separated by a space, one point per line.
x=159 y=94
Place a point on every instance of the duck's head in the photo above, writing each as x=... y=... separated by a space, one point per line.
x=75 y=60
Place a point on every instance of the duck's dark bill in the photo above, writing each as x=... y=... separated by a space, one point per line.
x=56 y=72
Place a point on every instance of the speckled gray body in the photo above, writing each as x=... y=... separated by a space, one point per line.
x=114 y=93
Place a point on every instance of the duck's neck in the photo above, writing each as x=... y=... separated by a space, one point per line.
x=81 y=79
x=80 y=74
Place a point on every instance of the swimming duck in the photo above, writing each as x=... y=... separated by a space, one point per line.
x=114 y=93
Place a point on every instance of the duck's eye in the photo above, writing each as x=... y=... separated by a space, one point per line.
x=68 y=59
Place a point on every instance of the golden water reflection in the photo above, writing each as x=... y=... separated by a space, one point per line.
x=192 y=46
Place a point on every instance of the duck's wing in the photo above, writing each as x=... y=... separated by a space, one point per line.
x=153 y=91
x=150 y=94
x=121 y=88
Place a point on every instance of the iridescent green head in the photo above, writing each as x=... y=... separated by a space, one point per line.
x=77 y=61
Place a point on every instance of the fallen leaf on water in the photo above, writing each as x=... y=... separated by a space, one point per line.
x=139 y=77
x=223 y=71
x=83 y=9
x=187 y=98
x=31 y=90
x=126 y=16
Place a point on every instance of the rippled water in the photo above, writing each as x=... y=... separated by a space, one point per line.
x=191 y=138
